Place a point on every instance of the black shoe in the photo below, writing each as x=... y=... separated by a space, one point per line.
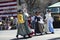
x=52 y=32
x=41 y=34
x=29 y=37
x=16 y=36
x=46 y=33
x=35 y=34
x=24 y=36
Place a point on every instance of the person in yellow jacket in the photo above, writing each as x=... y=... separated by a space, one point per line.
x=20 y=18
x=23 y=28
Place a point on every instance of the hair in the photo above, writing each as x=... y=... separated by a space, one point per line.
x=48 y=10
x=20 y=11
x=37 y=12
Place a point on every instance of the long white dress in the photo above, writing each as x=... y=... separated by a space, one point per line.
x=49 y=19
x=46 y=28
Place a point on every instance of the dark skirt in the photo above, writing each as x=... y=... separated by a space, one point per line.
x=38 y=28
x=24 y=29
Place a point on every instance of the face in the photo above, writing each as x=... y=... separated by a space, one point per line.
x=49 y=12
x=37 y=13
x=20 y=13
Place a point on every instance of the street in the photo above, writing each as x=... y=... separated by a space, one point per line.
x=11 y=35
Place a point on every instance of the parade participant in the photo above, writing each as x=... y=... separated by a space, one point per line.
x=29 y=22
x=46 y=29
x=32 y=21
x=49 y=20
x=23 y=28
x=38 y=24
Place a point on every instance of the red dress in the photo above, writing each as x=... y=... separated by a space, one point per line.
x=29 y=24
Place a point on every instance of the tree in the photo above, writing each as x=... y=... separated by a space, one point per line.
x=30 y=4
x=41 y=5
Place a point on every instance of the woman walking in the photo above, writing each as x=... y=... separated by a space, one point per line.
x=23 y=28
x=49 y=21
x=38 y=24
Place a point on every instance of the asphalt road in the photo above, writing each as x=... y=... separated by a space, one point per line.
x=10 y=35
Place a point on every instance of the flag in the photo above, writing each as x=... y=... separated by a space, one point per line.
x=8 y=7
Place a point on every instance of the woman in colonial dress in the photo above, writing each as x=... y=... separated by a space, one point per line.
x=49 y=21
x=46 y=28
x=23 y=28
x=29 y=22
x=33 y=21
x=38 y=24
